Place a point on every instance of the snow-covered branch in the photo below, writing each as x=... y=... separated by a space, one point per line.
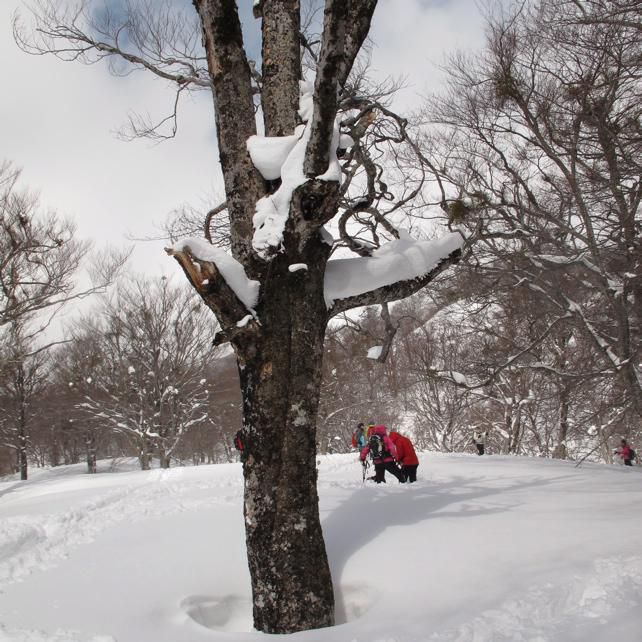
x=395 y=271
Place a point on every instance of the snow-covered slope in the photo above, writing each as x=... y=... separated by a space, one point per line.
x=481 y=549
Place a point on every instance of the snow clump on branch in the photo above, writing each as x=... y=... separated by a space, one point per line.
x=283 y=157
x=230 y=269
x=400 y=260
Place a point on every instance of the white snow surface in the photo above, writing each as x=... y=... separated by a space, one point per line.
x=404 y=258
x=480 y=549
x=231 y=270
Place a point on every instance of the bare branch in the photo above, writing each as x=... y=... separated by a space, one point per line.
x=213 y=289
x=360 y=14
x=235 y=120
x=281 y=66
x=326 y=88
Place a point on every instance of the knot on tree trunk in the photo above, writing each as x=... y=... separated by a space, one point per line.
x=313 y=204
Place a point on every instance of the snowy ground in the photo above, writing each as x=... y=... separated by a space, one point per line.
x=481 y=549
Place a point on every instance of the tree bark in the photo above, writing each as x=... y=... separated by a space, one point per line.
x=235 y=119
x=279 y=361
x=145 y=453
x=317 y=154
x=280 y=374
x=164 y=459
x=281 y=66
x=90 y=442
x=513 y=425
x=22 y=452
x=560 y=451
x=23 y=464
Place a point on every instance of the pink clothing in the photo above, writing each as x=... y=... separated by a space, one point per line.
x=388 y=445
x=624 y=452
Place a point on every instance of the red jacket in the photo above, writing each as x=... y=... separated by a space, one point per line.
x=623 y=451
x=406 y=454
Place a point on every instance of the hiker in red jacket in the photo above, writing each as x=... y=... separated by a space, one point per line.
x=406 y=456
x=383 y=454
x=626 y=452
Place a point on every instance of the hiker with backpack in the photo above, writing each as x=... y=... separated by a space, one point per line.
x=383 y=454
x=359 y=437
x=241 y=443
x=626 y=453
x=406 y=456
x=479 y=439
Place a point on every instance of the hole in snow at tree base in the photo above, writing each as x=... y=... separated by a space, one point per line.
x=226 y=613
x=233 y=613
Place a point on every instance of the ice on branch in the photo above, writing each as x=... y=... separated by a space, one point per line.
x=400 y=260
x=230 y=269
x=283 y=157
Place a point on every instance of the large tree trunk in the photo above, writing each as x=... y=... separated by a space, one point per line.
x=513 y=422
x=90 y=443
x=280 y=376
x=54 y=458
x=163 y=457
x=23 y=464
x=560 y=451
x=145 y=453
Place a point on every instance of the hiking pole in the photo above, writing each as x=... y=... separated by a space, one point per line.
x=364 y=469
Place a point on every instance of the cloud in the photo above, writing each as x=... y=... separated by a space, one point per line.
x=413 y=37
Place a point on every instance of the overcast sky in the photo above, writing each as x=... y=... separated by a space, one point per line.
x=58 y=123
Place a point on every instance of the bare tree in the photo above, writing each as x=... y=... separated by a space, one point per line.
x=40 y=258
x=540 y=142
x=139 y=366
x=23 y=376
x=39 y=255
x=505 y=369
x=274 y=295
x=622 y=13
x=355 y=388
x=73 y=362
